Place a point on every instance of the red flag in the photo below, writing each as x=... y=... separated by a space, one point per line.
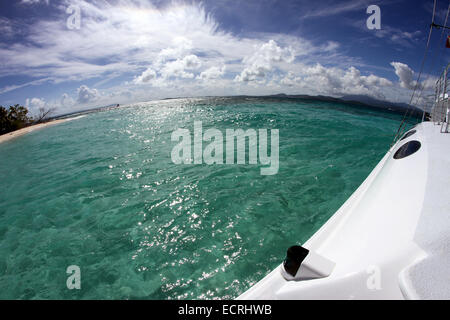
x=447 y=44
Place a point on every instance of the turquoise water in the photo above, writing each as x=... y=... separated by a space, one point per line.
x=101 y=192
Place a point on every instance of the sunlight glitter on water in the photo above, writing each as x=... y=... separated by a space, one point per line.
x=102 y=193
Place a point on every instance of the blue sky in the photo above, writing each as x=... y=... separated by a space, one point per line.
x=126 y=51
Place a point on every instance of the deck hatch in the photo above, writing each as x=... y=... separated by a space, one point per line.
x=407 y=149
x=408 y=134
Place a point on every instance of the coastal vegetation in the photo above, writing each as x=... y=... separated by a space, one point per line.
x=18 y=117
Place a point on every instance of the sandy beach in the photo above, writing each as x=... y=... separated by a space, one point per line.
x=21 y=132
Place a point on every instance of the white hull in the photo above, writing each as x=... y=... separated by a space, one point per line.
x=390 y=239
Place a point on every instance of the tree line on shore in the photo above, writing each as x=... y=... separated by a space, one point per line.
x=18 y=117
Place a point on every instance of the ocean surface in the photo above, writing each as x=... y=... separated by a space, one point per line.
x=101 y=192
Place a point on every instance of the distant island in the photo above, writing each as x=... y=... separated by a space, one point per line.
x=359 y=100
x=356 y=100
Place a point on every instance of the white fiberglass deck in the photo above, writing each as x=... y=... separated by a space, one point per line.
x=391 y=238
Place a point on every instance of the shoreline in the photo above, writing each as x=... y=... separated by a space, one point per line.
x=23 y=131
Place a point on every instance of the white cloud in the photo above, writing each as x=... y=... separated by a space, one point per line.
x=6 y=27
x=263 y=59
x=66 y=100
x=177 y=49
x=113 y=39
x=212 y=73
x=407 y=80
x=87 y=95
x=35 y=104
x=18 y=86
x=122 y=38
x=35 y=1
x=325 y=10
x=398 y=36
x=145 y=77
x=335 y=81
x=181 y=67
x=181 y=47
x=406 y=77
